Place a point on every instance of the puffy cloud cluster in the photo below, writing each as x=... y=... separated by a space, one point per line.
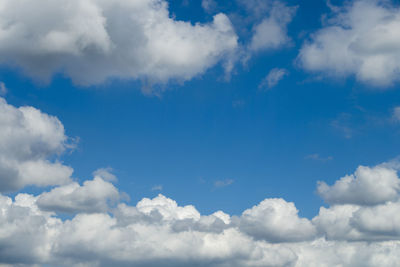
x=276 y=220
x=94 y=196
x=361 y=39
x=360 y=228
x=93 y=40
x=365 y=205
x=158 y=232
x=367 y=186
x=28 y=138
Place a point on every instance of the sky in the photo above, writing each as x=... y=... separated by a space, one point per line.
x=199 y=133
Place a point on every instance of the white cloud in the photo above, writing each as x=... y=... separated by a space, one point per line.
x=168 y=208
x=276 y=220
x=359 y=223
x=357 y=230
x=28 y=138
x=362 y=39
x=367 y=186
x=273 y=78
x=93 y=196
x=135 y=236
x=93 y=40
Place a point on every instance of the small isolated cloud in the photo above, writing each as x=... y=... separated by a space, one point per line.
x=273 y=78
x=396 y=114
x=3 y=89
x=209 y=6
x=317 y=157
x=238 y=103
x=271 y=32
x=223 y=183
x=157 y=188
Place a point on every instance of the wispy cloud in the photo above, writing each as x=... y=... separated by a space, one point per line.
x=3 y=89
x=157 y=188
x=273 y=78
x=342 y=124
x=318 y=157
x=223 y=183
x=396 y=114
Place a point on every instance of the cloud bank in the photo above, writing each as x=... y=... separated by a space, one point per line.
x=361 y=227
x=360 y=39
x=91 y=41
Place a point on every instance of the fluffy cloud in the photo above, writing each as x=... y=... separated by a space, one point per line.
x=28 y=138
x=367 y=186
x=361 y=39
x=93 y=40
x=354 y=231
x=132 y=235
x=276 y=220
x=92 y=196
x=359 y=223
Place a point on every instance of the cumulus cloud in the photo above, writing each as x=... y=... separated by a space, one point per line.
x=273 y=78
x=356 y=230
x=93 y=196
x=93 y=40
x=361 y=39
x=28 y=138
x=159 y=232
x=276 y=220
x=367 y=186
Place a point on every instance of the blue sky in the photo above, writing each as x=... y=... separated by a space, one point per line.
x=210 y=129
x=199 y=132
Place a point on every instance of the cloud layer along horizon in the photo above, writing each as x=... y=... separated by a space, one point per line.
x=357 y=228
